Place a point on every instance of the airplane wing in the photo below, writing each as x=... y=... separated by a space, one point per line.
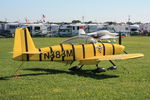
x=103 y=34
x=113 y=34
x=96 y=59
x=92 y=34
x=108 y=37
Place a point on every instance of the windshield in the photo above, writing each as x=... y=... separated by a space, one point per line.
x=80 y=40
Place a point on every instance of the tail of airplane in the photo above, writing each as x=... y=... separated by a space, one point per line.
x=81 y=30
x=23 y=44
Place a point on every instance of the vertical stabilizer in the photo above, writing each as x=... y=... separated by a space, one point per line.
x=23 y=43
x=81 y=30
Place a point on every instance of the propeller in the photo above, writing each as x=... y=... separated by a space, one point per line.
x=120 y=41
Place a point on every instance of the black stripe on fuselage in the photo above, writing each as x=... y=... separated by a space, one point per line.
x=52 y=55
x=40 y=55
x=62 y=48
x=26 y=43
x=113 y=48
x=83 y=49
x=73 y=49
x=94 y=49
x=104 y=49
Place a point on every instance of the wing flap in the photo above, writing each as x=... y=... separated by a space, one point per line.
x=114 y=57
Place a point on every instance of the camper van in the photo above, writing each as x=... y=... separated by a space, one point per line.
x=73 y=29
x=134 y=29
x=38 y=29
x=69 y=29
x=145 y=29
x=11 y=27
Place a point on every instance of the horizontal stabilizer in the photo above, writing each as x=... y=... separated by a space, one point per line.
x=33 y=52
x=29 y=52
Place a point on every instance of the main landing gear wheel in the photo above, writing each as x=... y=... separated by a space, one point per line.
x=99 y=70
x=76 y=68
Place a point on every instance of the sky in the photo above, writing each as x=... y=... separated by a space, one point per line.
x=68 y=10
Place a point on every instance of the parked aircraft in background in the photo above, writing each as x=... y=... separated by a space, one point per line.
x=102 y=34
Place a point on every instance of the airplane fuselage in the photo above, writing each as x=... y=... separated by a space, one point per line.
x=73 y=52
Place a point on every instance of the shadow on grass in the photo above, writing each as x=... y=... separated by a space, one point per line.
x=83 y=73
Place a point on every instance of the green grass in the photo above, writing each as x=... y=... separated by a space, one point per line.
x=53 y=81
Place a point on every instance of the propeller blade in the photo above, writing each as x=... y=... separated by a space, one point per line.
x=120 y=40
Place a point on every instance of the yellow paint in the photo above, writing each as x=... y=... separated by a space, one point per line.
x=67 y=47
x=89 y=52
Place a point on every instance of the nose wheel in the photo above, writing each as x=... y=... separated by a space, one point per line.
x=114 y=67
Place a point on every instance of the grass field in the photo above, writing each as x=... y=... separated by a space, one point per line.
x=53 y=81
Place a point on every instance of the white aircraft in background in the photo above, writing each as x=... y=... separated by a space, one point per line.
x=102 y=34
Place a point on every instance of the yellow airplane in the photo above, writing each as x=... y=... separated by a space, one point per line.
x=84 y=49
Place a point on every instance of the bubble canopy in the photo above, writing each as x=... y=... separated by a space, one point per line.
x=79 y=40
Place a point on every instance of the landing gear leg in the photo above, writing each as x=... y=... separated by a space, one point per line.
x=76 y=68
x=114 y=67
